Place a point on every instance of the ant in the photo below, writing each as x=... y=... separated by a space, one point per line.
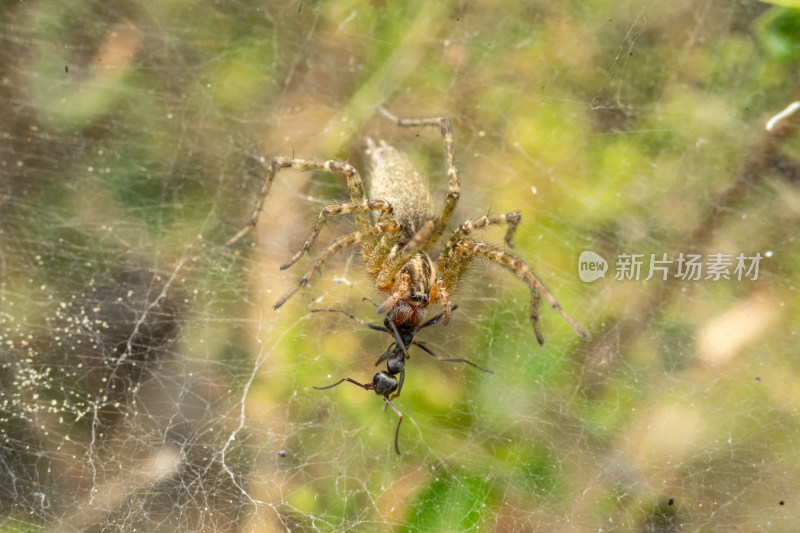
x=386 y=383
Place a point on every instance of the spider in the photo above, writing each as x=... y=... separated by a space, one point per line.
x=397 y=226
x=385 y=383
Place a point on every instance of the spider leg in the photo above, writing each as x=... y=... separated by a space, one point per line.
x=511 y=218
x=379 y=252
x=400 y=290
x=535 y=316
x=453 y=267
x=435 y=319
x=396 y=261
x=442 y=297
x=365 y=299
x=354 y=185
x=331 y=211
x=454 y=188
x=444 y=359
x=342 y=242
x=467 y=249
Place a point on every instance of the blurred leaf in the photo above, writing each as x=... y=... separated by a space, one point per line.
x=779 y=32
x=449 y=504
x=786 y=3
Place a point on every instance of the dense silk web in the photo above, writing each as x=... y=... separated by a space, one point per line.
x=146 y=383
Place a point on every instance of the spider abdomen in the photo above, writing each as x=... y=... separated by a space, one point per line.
x=393 y=178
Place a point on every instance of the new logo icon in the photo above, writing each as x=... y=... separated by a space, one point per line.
x=591 y=266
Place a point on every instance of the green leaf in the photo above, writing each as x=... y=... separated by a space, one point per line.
x=785 y=3
x=779 y=31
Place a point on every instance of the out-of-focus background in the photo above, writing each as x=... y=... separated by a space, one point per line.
x=146 y=383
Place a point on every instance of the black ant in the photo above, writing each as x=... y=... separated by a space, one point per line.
x=386 y=381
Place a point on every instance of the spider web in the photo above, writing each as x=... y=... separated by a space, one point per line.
x=146 y=383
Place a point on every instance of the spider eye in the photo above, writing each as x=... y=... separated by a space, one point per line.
x=420 y=298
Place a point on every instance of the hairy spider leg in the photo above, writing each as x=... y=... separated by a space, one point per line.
x=338 y=244
x=454 y=188
x=399 y=290
x=510 y=218
x=467 y=249
x=379 y=252
x=331 y=211
x=442 y=297
x=434 y=320
x=447 y=258
x=535 y=315
x=398 y=260
x=354 y=185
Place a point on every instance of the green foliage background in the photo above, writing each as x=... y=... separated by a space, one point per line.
x=147 y=384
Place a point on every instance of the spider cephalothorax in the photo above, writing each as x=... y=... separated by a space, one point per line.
x=411 y=291
x=398 y=225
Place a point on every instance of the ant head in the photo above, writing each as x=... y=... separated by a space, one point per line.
x=384 y=384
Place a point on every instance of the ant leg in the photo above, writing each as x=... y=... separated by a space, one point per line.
x=396 y=431
x=354 y=382
x=400 y=384
x=398 y=340
x=385 y=355
x=362 y=322
x=444 y=359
